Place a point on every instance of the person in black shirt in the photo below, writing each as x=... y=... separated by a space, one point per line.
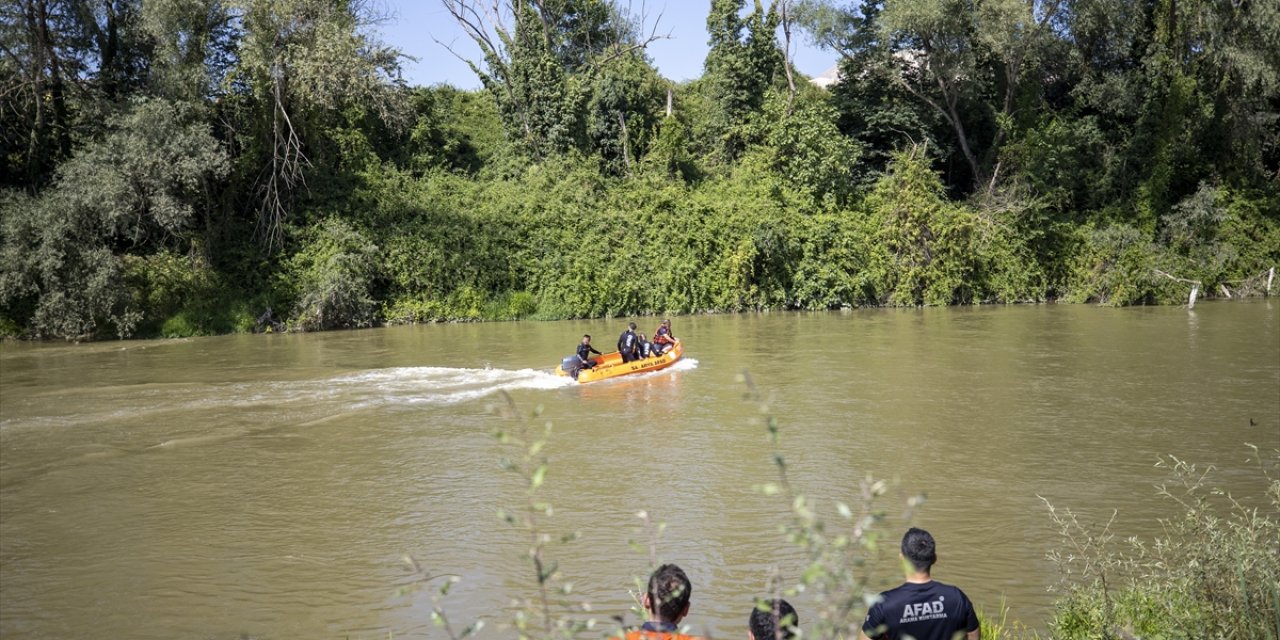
x=921 y=608
x=645 y=349
x=629 y=344
x=585 y=350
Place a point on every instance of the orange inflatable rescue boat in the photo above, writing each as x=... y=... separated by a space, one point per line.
x=610 y=365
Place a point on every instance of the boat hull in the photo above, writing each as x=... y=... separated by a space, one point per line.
x=610 y=365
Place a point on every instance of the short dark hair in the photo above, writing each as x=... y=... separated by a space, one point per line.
x=587 y=336
x=669 y=591
x=631 y=325
x=773 y=619
x=919 y=549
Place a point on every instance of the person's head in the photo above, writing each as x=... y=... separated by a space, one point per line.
x=772 y=620
x=666 y=323
x=586 y=338
x=631 y=326
x=918 y=549
x=668 y=595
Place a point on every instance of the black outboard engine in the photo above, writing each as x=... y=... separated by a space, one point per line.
x=571 y=365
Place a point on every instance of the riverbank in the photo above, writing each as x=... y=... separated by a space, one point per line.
x=448 y=248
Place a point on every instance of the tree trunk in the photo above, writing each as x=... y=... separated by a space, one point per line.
x=626 y=146
x=963 y=138
x=785 y=16
x=56 y=89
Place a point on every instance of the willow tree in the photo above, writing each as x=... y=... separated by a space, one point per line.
x=142 y=186
x=192 y=47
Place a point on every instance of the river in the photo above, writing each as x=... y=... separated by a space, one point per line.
x=268 y=486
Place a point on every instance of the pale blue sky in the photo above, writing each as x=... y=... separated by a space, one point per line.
x=412 y=25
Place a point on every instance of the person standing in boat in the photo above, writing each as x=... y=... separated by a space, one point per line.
x=662 y=338
x=585 y=350
x=629 y=344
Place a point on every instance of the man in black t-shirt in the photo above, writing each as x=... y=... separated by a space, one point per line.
x=628 y=344
x=922 y=608
x=585 y=350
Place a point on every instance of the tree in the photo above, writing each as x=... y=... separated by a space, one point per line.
x=541 y=60
x=873 y=108
x=801 y=143
x=139 y=190
x=966 y=59
x=1184 y=91
x=744 y=61
x=298 y=63
x=193 y=47
x=943 y=47
x=623 y=112
x=64 y=63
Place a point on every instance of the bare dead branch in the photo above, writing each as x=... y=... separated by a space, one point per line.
x=1176 y=278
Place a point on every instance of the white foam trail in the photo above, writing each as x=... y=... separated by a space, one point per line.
x=366 y=389
x=438 y=385
x=684 y=364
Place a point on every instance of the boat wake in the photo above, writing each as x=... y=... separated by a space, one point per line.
x=684 y=364
x=307 y=399
x=437 y=385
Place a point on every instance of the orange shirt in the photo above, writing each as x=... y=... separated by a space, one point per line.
x=637 y=634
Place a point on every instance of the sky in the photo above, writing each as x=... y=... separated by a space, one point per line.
x=414 y=26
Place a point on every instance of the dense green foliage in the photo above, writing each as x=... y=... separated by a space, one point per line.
x=178 y=167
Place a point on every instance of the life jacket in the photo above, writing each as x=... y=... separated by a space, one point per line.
x=662 y=336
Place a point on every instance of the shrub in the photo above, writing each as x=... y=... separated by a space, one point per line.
x=1215 y=572
x=141 y=186
x=1117 y=265
x=331 y=278
x=182 y=296
x=922 y=252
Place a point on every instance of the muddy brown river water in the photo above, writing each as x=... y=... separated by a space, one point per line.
x=269 y=485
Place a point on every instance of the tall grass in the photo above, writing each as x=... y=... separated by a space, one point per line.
x=1213 y=572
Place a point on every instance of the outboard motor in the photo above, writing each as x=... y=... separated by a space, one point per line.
x=571 y=365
